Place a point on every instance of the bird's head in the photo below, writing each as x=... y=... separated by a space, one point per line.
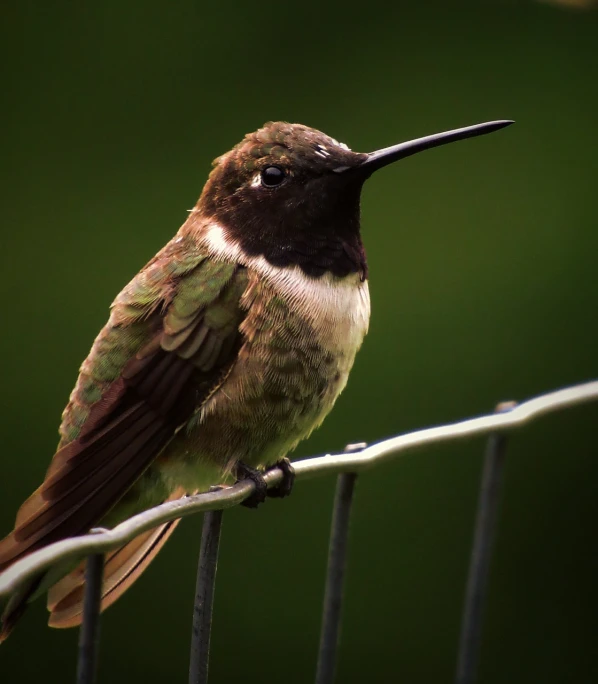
x=291 y=194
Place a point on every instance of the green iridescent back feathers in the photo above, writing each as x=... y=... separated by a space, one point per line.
x=179 y=283
x=171 y=335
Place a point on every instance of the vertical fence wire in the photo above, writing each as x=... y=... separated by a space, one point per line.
x=333 y=594
x=204 y=597
x=89 y=634
x=481 y=553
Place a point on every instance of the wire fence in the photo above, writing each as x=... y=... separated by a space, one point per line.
x=354 y=460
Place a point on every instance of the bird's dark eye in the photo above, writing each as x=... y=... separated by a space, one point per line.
x=272 y=176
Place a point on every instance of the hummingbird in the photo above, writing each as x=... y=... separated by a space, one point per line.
x=224 y=352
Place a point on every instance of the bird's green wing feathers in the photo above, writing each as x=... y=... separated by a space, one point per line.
x=172 y=335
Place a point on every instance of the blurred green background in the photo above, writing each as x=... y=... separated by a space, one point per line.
x=483 y=259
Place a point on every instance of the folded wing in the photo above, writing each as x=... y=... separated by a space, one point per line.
x=172 y=336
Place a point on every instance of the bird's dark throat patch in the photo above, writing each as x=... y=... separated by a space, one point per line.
x=313 y=225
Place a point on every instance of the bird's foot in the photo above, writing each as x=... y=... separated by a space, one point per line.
x=288 y=479
x=244 y=472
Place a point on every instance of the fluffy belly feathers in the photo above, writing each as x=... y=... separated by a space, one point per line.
x=301 y=338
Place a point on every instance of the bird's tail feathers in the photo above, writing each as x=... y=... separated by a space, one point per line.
x=122 y=567
x=65 y=598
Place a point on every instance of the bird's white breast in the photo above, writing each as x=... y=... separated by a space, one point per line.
x=338 y=309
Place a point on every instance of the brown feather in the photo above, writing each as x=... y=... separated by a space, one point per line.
x=122 y=568
x=156 y=392
x=97 y=469
x=77 y=510
x=16 y=606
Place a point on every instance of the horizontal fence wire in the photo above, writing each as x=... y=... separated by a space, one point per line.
x=356 y=458
x=77 y=548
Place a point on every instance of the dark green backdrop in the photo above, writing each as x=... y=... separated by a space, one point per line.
x=483 y=260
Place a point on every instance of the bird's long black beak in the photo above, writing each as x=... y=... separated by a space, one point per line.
x=376 y=160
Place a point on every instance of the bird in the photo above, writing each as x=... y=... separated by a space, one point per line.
x=224 y=352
